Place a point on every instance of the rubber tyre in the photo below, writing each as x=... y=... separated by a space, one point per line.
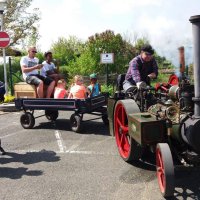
x=165 y=169
x=75 y=122
x=128 y=148
x=51 y=115
x=105 y=119
x=27 y=120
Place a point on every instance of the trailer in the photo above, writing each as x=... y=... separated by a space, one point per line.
x=96 y=106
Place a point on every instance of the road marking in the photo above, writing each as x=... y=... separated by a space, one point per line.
x=9 y=135
x=64 y=152
x=59 y=139
x=91 y=153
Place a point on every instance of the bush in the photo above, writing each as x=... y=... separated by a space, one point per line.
x=109 y=89
x=9 y=98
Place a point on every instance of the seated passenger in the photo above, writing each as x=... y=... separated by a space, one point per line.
x=94 y=88
x=29 y=66
x=78 y=90
x=49 y=69
x=60 y=92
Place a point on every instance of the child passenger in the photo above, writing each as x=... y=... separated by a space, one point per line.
x=94 y=88
x=78 y=90
x=60 y=92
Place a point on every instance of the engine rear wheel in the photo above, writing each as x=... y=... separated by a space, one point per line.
x=165 y=169
x=27 y=120
x=128 y=148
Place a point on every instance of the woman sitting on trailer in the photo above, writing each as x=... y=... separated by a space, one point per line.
x=78 y=90
x=60 y=92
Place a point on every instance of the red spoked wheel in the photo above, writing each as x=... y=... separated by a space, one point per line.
x=165 y=169
x=128 y=148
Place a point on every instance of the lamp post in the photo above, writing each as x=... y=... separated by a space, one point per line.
x=3 y=4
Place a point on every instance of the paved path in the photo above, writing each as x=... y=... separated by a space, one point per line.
x=51 y=162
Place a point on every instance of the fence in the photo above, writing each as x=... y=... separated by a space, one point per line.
x=102 y=79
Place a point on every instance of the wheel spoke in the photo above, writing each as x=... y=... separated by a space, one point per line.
x=126 y=144
x=123 y=128
x=123 y=116
x=119 y=122
x=121 y=140
x=160 y=163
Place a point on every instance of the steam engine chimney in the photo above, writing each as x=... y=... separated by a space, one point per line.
x=195 y=20
x=182 y=59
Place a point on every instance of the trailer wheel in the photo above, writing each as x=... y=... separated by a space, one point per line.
x=27 y=120
x=105 y=119
x=165 y=169
x=75 y=122
x=51 y=115
x=128 y=148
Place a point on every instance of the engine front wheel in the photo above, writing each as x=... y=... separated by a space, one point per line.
x=128 y=148
x=165 y=169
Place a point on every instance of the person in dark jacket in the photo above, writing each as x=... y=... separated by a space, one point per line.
x=142 y=68
x=2 y=91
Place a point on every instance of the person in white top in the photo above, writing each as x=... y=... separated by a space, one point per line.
x=30 y=66
x=49 y=69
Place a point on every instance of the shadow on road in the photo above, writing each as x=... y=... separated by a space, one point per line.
x=30 y=157
x=17 y=173
x=187 y=182
x=87 y=127
x=27 y=159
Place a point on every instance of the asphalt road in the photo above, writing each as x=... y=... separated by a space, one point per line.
x=52 y=162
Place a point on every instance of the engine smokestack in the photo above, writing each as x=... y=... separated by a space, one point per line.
x=195 y=20
x=182 y=59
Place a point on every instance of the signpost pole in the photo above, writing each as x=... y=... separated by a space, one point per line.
x=4 y=59
x=107 y=75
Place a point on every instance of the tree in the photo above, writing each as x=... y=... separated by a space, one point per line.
x=108 y=42
x=20 y=23
x=66 y=50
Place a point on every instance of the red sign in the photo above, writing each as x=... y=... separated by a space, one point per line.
x=4 y=39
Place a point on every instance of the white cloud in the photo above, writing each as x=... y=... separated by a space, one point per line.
x=164 y=22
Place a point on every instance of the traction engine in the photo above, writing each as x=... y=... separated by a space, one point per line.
x=164 y=119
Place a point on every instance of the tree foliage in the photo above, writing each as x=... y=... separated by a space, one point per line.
x=20 y=23
x=84 y=57
x=83 y=64
x=108 y=42
x=66 y=50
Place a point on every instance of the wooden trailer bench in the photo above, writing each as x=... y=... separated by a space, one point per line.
x=24 y=90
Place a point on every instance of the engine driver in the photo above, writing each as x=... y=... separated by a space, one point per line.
x=142 y=68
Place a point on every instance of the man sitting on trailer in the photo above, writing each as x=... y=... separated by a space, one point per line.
x=49 y=69
x=29 y=66
x=142 y=68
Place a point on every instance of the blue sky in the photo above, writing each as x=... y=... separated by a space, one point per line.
x=164 y=22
